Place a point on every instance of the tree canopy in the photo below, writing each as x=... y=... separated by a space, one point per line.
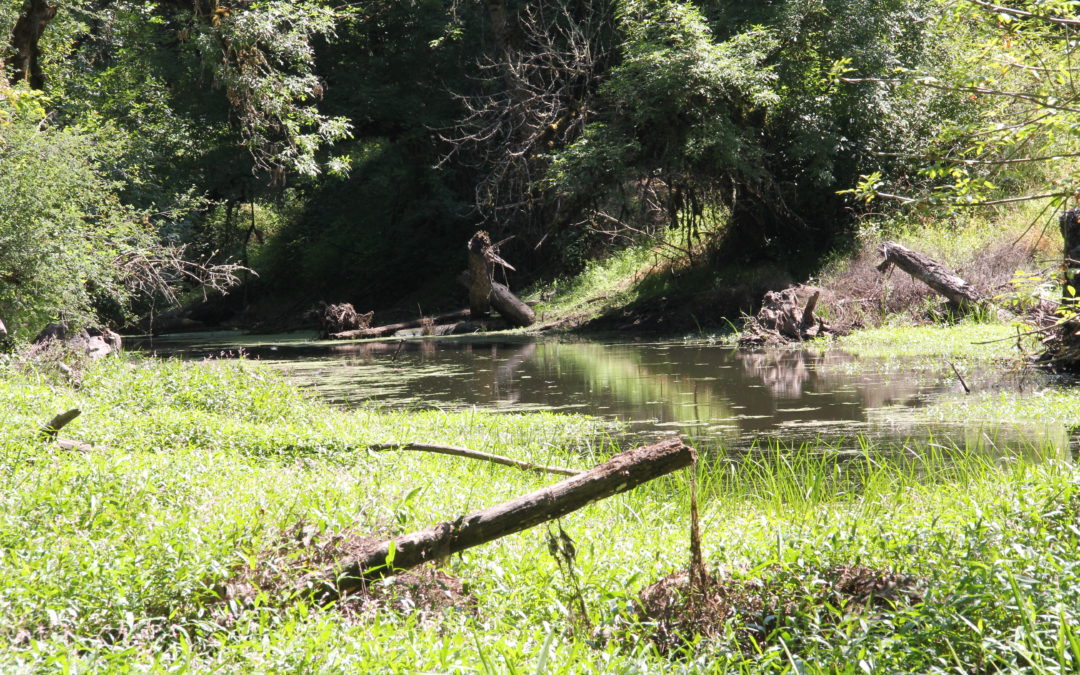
x=338 y=149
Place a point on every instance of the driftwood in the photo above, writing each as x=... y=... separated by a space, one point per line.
x=620 y=473
x=473 y=454
x=338 y=318
x=391 y=328
x=960 y=294
x=515 y=310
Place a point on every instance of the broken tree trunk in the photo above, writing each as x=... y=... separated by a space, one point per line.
x=783 y=318
x=480 y=274
x=620 y=473
x=391 y=328
x=485 y=293
x=958 y=292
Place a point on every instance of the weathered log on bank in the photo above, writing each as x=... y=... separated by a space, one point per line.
x=620 y=473
x=512 y=308
x=960 y=294
x=391 y=328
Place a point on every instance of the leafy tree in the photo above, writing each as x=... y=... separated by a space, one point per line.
x=1019 y=141
x=725 y=112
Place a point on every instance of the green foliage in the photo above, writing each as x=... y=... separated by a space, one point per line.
x=715 y=107
x=1014 y=65
x=63 y=231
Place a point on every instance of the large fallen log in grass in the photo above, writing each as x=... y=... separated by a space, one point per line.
x=620 y=473
x=958 y=292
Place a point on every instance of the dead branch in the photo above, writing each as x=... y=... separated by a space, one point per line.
x=472 y=454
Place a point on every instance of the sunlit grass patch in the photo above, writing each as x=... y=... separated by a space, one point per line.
x=205 y=473
x=967 y=340
x=1042 y=407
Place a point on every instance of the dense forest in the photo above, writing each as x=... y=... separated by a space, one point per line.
x=307 y=151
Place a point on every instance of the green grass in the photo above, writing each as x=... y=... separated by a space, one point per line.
x=1041 y=406
x=110 y=559
x=964 y=340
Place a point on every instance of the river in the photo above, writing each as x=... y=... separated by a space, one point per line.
x=706 y=391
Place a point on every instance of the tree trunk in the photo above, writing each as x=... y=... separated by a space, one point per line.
x=480 y=274
x=500 y=25
x=1070 y=233
x=620 y=473
x=959 y=293
x=25 y=38
x=1063 y=345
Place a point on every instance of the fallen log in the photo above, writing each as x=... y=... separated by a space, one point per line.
x=472 y=454
x=515 y=310
x=391 y=328
x=620 y=473
x=958 y=292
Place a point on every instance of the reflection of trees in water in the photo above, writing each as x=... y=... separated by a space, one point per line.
x=618 y=375
x=790 y=374
x=782 y=372
x=730 y=392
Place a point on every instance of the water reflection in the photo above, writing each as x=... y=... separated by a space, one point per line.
x=704 y=391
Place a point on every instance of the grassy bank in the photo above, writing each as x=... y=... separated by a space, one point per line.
x=207 y=475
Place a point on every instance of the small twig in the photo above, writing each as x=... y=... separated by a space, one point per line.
x=53 y=427
x=472 y=454
x=967 y=390
x=400 y=344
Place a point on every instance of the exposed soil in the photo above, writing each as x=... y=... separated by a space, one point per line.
x=681 y=610
x=290 y=570
x=681 y=313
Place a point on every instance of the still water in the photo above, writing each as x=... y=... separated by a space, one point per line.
x=703 y=391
